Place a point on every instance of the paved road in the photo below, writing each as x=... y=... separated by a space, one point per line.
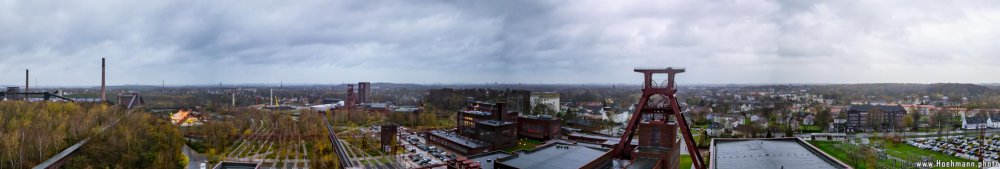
x=194 y=159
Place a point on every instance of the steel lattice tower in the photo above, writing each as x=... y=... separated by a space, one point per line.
x=351 y=100
x=656 y=129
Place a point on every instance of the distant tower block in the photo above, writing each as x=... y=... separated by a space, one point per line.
x=364 y=91
x=657 y=122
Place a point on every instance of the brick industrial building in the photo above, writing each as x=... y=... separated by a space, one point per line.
x=489 y=122
x=481 y=127
x=388 y=135
x=539 y=127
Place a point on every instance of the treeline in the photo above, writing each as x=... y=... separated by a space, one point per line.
x=448 y=99
x=139 y=140
x=899 y=90
x=31 y=132
x=429 y=117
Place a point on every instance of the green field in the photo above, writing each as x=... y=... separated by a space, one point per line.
x=896 y=150
x=827 y=147
x=523 y=144
x=810 y=129
x=685 y=161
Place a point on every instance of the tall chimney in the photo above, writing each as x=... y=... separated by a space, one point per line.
x=104 y=96
x=26 y=88
x=501 y=108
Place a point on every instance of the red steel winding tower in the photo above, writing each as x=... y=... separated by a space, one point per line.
x=656 y=121
x=351 y=100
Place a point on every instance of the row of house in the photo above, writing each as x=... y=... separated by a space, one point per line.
x=980 y=118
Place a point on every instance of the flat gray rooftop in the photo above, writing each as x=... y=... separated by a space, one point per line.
x=486 y=160
x=494 y=123
x=237 y=165
x=484 y=113
x=468 y=142
x=768 y=153
x=554 y=156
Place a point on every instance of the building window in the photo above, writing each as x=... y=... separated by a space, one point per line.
x=656 y=136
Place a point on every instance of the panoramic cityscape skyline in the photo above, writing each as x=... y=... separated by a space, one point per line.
x=475 y=42
x=519 y=84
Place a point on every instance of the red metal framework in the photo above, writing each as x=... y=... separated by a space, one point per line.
x=652 y=116
x=351 y=100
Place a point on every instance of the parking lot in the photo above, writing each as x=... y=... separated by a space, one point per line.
x=964 y=147
x=419 y=153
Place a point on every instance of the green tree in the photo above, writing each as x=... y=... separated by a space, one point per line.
x=915 y=116
x=939 y=119
x=907 y=122
x=822 y=118
x=541 y=109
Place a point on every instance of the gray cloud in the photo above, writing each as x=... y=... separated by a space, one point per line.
x=317 y=41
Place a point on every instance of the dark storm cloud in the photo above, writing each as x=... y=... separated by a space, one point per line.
x=205 y=42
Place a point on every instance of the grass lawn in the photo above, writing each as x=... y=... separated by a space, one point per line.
x=827 y=147
x=810 y=129
x=523 y=144
x=898 y=150
x=685 y=162
x=703 y=126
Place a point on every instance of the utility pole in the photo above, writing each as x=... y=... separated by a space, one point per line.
x=982 y=141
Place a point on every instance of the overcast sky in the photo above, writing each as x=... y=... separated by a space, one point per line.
x=472 y=41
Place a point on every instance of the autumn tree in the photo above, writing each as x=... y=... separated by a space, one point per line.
x=907 y=122
x=915 y=116
x=822 y=118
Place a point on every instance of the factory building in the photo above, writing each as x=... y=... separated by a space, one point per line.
x=542 y=127
x=481 y=127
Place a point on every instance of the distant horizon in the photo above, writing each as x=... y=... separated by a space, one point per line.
x=455 y=84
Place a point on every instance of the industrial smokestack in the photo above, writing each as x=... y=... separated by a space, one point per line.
x=26 y=88
x=104 y=96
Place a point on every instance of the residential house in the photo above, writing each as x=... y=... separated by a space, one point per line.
x=972 y=123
